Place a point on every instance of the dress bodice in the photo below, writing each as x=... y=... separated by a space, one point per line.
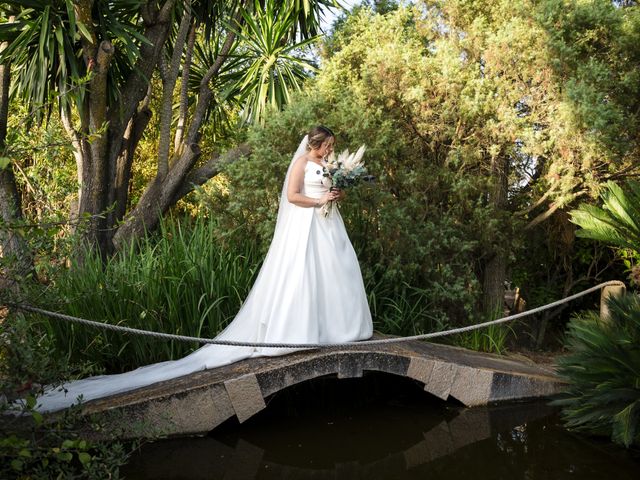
x=313 y=185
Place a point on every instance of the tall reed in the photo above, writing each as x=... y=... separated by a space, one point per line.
x=186 y=279
x=491 y=339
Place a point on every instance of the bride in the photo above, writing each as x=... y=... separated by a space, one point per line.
x=309 y=289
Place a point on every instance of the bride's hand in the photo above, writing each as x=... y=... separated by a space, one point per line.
x=329 y=196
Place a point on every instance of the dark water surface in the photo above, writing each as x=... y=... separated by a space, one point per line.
x=385 y=427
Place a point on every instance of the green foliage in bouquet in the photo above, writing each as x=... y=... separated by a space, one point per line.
x=603 y=371
x=347 y=170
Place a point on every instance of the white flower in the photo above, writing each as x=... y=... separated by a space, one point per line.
x=354 y=160
x=331 y=163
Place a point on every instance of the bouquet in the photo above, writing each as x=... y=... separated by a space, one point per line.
x=343 y=172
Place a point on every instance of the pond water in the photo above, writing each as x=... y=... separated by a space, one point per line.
x=385 y=427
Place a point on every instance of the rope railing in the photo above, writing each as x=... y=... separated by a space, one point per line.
x=234 y=343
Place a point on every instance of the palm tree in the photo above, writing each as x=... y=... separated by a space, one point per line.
x=91 y=63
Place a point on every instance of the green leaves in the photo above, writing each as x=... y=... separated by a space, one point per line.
x=189 y=279
x=274 y=63
x=45 y=50
x=603 y=371
x=617 y=223
x=57 y=452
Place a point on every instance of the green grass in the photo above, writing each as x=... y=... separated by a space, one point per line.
x=404 y=311
x=190 y=279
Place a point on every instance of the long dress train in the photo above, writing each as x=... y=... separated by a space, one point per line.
x=309 y=290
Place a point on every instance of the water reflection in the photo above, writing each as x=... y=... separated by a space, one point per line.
x=379 y=428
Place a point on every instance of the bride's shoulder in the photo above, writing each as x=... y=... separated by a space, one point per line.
x=301 y=161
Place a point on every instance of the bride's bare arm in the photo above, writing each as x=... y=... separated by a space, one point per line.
x=296 y=181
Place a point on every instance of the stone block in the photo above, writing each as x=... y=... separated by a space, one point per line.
x=506 y=386
x=193 y=412
x=245 y=395
x=420 y=369
x=349 y=366
x=472 y=386
x=441 y=379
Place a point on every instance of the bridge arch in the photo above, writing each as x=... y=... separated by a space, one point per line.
x=198 y=403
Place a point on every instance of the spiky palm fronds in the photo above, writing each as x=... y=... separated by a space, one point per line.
x=274 y=63
x=45 y=44
x=617 y=223
x=603 y=371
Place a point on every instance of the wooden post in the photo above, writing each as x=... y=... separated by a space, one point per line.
x=609 y=291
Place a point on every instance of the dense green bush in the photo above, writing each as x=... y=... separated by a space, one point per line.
x=422 y=227
x=603 y=371
x=30 y=445
x=55 y=450
x=417 y=259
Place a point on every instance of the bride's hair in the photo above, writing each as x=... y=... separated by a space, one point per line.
x=317 y=135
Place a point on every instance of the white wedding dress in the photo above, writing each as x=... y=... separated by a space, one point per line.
x=309 y=290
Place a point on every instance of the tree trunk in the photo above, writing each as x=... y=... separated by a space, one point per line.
x=120 y=189
x=160 y=195
x=12 y=245
x=176 y=175
x=104 y=162
x=496 y=264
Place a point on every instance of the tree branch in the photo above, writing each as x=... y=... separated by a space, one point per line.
x=132 y=137
x=76 y=141
x=168 y=85
x=210 y=169
x=538 y=202
x=135 y=87
x=82 y=10
x=184 y=89
x=543 y=216
x=98 y=97
x=204 y=96
x=628 y=171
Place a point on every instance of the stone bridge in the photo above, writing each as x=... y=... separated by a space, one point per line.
x=198 y=403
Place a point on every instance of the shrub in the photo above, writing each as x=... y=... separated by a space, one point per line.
x=30 y=446
x=603 y=371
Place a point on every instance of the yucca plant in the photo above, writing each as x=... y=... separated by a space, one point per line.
x=603 y=371
x=275 y=66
